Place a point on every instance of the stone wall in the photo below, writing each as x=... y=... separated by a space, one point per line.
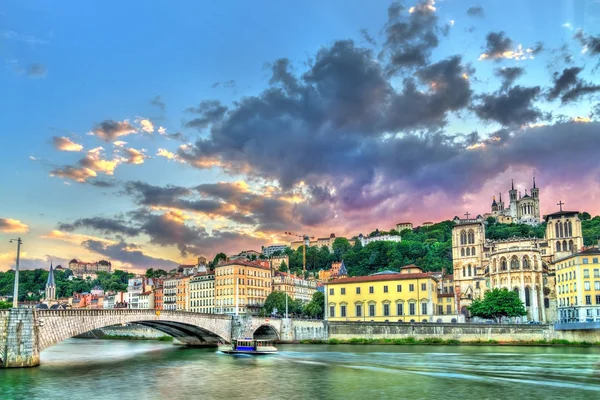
x=19 y=338
x=308 y=330
x=461 y=332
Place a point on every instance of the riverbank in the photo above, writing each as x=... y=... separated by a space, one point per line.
x=450 y=342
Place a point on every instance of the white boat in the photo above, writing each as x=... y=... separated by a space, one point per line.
x=248 y=346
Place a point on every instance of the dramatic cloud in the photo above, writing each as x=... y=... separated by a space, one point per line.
x=475 y=11
x=498 y=47
x=108 y=226
x=157 y=101
x=80 y=175
x=93 y=160
x=569 y=87
x=512 y=108
x=66 y=144
x=210 y=112
x=12 y=225
x=509 y=75
x=92 y=163
x=109 y=130
x=591 y=44
x=128 y=254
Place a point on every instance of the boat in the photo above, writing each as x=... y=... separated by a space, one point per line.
x=248 y=346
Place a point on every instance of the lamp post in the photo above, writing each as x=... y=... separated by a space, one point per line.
x=16 y=292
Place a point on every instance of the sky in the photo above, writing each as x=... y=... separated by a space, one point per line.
x=149 y=133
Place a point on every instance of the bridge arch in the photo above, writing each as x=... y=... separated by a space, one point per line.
x=266 y=331
x=190 y=328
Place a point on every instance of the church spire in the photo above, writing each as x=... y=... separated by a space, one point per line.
x=50 y=276
x=512 y=183
x=51 y=285
x=534 y=182
x=500 y=197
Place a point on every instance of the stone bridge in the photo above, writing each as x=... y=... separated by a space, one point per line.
x=24 y=333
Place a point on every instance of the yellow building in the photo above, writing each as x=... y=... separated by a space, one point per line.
x=295 y=287
x=401 y=226
x=241 y=287
x=578 y=286
x=276 y=262
x=183 y=290
x=202 y=293
x=407 y=296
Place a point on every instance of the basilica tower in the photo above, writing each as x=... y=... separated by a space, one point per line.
x=51 y=285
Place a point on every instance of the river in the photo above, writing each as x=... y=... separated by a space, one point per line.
x=113 y=369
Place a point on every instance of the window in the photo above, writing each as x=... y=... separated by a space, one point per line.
x=385 y=289
x=400 y=309
x=440 y=309
x=331 y=291
x=586 y=285
x=588 y=300
x=449 y=309
x=595 y=261
x=398 y=288
x=597 y=285
x=411 y=287
x=585 y=260
x=598 y=299
x=359 y=310
x=343 y=290
x=371 y=290
x=343 y=310
x=411 y=308
x=358 y=290
x=596 y=272
x=477 y=285
x=423 y=308
x=586 y=273
x=423 y=286
x=332 y=311
x=371 y=310
x=386 y=310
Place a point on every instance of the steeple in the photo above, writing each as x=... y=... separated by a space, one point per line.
x=342 y=272
x=512 y=183
x=50 y=285
x=534 y=182
x=500 y=197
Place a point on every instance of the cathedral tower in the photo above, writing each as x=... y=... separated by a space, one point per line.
x=51 y=285
x=563 y=232
x=512 y=193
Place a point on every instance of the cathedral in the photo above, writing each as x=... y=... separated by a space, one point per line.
x=524 y=209
x=524 y=265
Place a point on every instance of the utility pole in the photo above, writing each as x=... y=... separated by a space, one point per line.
x=16 y=292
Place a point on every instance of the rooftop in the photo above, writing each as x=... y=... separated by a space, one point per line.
x=243 y=263
x=384 y=277
x=560 y=213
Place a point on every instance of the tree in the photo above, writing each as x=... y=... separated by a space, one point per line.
x=219 y=257
x=498 y=303
x=4 y=305
x=316 y=307
x=340 y=247
x=283 y=267
x=276 y=300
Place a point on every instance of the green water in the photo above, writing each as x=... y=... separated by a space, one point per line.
x=112 y=369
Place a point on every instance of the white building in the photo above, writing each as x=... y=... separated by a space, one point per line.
x=202 y=293
x=382 y=238
x=135 y=287
x=146 y=300
x=170 y=294
x=269 y=250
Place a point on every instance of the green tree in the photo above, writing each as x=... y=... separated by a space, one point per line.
x=276 y=301
x=5 y=305
x=283 y=267
x=316 y=307
x=219 y=257
x=498 y=303
x=340 y=247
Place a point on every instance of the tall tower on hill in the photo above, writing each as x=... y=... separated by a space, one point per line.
x=51 y=285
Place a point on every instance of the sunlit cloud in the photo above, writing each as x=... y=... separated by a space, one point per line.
x=94 y=162
x=119 y=143
x=167 y=154
x=109 y=130
x=568 y=26
x=134 y=156
x=146 y=125
x=162 y=130
x=582 y=119
x=476 y=146
x=74 y=173
x=73 y=238
x=10 y=225
x=66 y=144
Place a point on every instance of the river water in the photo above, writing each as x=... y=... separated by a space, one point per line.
x=112 y=369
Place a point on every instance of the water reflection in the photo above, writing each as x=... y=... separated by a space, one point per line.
x=82 y=369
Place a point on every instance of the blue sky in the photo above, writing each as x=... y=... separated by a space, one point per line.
x=68 y=68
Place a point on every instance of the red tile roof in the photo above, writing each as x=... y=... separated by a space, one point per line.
x=385 y=277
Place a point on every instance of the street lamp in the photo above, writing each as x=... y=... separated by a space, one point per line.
x=16 y=292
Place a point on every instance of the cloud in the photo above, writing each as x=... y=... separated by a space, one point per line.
x=157 y=101
x=210 y=112
x=109 y=130
x=475 y=11
x=498 y=47
x=119 y=143
x=569 y=87
x=367 y=37
x=108 y=226
x=9 y=225
x=509 y=75
x=590 y=43
x=93 y=161
x=146 y=125
x=65 y=144
x=514 y=107
x=162 y=130
x=127 y=253
x=134 y=156
x=77 y=174
x=166 y=153
x=36 y=71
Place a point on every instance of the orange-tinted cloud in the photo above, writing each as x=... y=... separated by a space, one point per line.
x=65 y=144
x=12 y=225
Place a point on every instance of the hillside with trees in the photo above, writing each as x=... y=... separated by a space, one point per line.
x=34 y=281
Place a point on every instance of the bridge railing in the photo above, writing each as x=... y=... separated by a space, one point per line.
x=112 y=311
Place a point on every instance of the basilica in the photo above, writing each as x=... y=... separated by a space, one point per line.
x=522 y=208
x=525 y=265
